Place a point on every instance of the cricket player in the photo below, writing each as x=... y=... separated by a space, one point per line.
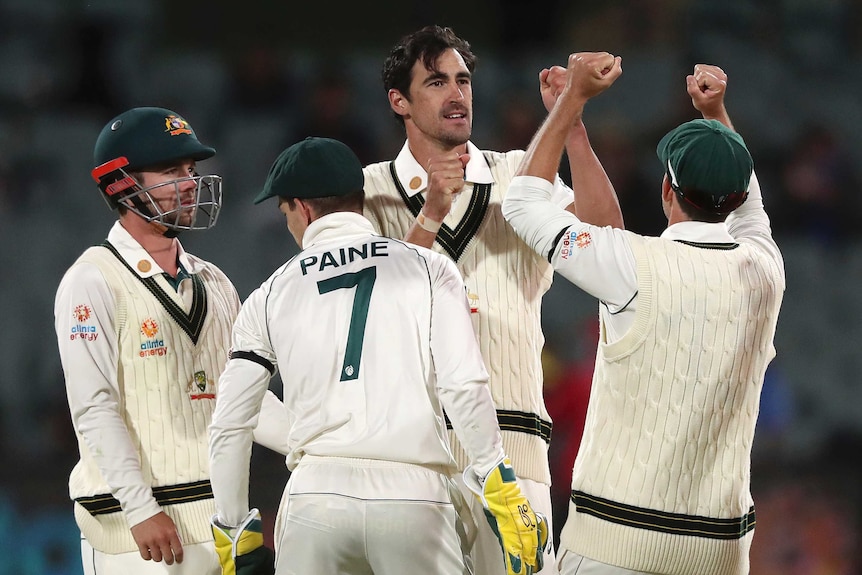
x=444 y=193
x=373 y=340
x=661 y=484
x=143 y=329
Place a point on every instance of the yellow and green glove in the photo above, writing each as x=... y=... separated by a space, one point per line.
x=240 y=549
x=523 y=534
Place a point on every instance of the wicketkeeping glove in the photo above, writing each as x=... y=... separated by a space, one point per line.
x=523 y=534
x=240 y=549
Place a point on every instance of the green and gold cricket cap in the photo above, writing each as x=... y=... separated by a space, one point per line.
x=313 y=168
x=148 y=136
x=708 y=165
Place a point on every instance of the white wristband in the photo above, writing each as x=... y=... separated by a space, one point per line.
x=428 y=224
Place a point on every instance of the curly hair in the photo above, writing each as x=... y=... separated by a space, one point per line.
x=426 y=44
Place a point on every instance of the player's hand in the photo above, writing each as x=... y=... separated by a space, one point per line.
x=707 y=86
x=588 y=74
x=158 y=540
x=240 y=549
x=523 y=534
x=445 y=178
x=552 y=82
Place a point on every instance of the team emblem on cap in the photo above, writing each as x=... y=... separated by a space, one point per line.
x=176 y=126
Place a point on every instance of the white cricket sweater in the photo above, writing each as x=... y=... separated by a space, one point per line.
x=169 y=363
x=505 y=281
x=662 y=486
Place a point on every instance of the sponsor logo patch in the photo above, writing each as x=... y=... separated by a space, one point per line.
x=152 y=346
x=82 y=330
x=574 y=240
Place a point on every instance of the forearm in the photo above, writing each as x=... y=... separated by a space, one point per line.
x=242 y=387
x=230 y=459
x=108 y=441
x=595 y=199
x=542 y=158
x=720 y=114
x=474 y=420
x=273 y=425
x=419 y=236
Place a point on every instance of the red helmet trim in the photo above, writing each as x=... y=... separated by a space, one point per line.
x=108 y=167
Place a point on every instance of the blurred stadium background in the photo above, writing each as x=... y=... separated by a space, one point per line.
x=255 y=76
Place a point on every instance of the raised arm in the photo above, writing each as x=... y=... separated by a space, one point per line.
x=707 y=86
x=595 y=199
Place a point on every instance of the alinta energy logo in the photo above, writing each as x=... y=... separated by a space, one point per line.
x=153 y=346
x=574 y=240
x=82 y=330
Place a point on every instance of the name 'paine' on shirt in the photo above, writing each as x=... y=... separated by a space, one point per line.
x=343 y=256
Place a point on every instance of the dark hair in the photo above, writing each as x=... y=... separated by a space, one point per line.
x=352 y=202
x=427 y=45
x=696 y=213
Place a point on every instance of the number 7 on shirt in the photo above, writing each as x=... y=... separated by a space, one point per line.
x=363 y=281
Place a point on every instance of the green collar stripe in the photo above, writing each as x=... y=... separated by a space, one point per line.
x=191 y=323
x=454 y=242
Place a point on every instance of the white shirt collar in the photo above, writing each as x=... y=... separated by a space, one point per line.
x=139 y=259
x=712 y=233
x=414 y=179
x=338 y=225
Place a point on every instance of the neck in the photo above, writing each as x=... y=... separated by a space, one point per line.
x=423 y=148
x=164 y=251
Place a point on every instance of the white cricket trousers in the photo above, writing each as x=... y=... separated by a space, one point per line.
x=198 y=559
x=487 y=555
x=347 y=516
x=573 y=564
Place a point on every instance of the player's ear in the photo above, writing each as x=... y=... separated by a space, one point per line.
x=398 y=102
x=307 y=211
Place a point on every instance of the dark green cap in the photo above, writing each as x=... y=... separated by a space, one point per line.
x=707 y=164
x=148 y=137
x=313 y=168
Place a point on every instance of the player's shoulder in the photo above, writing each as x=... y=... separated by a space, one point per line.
x=511 y=159
x=207 y=268
x=88 y=267
x=433 y=261
x=402 y=248
x=377 y=170
x=93 y=259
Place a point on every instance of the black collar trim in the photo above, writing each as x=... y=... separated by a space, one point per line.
x=191 y=323
x=709 y=245
x=454 y=242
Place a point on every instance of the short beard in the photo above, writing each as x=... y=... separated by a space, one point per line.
x=452 y=141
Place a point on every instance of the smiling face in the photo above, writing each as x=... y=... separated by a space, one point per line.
x=439 y=110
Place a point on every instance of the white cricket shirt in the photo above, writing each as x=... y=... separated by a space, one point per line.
x=372 y=337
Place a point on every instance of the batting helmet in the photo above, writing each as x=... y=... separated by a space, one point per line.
x=142 y=138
